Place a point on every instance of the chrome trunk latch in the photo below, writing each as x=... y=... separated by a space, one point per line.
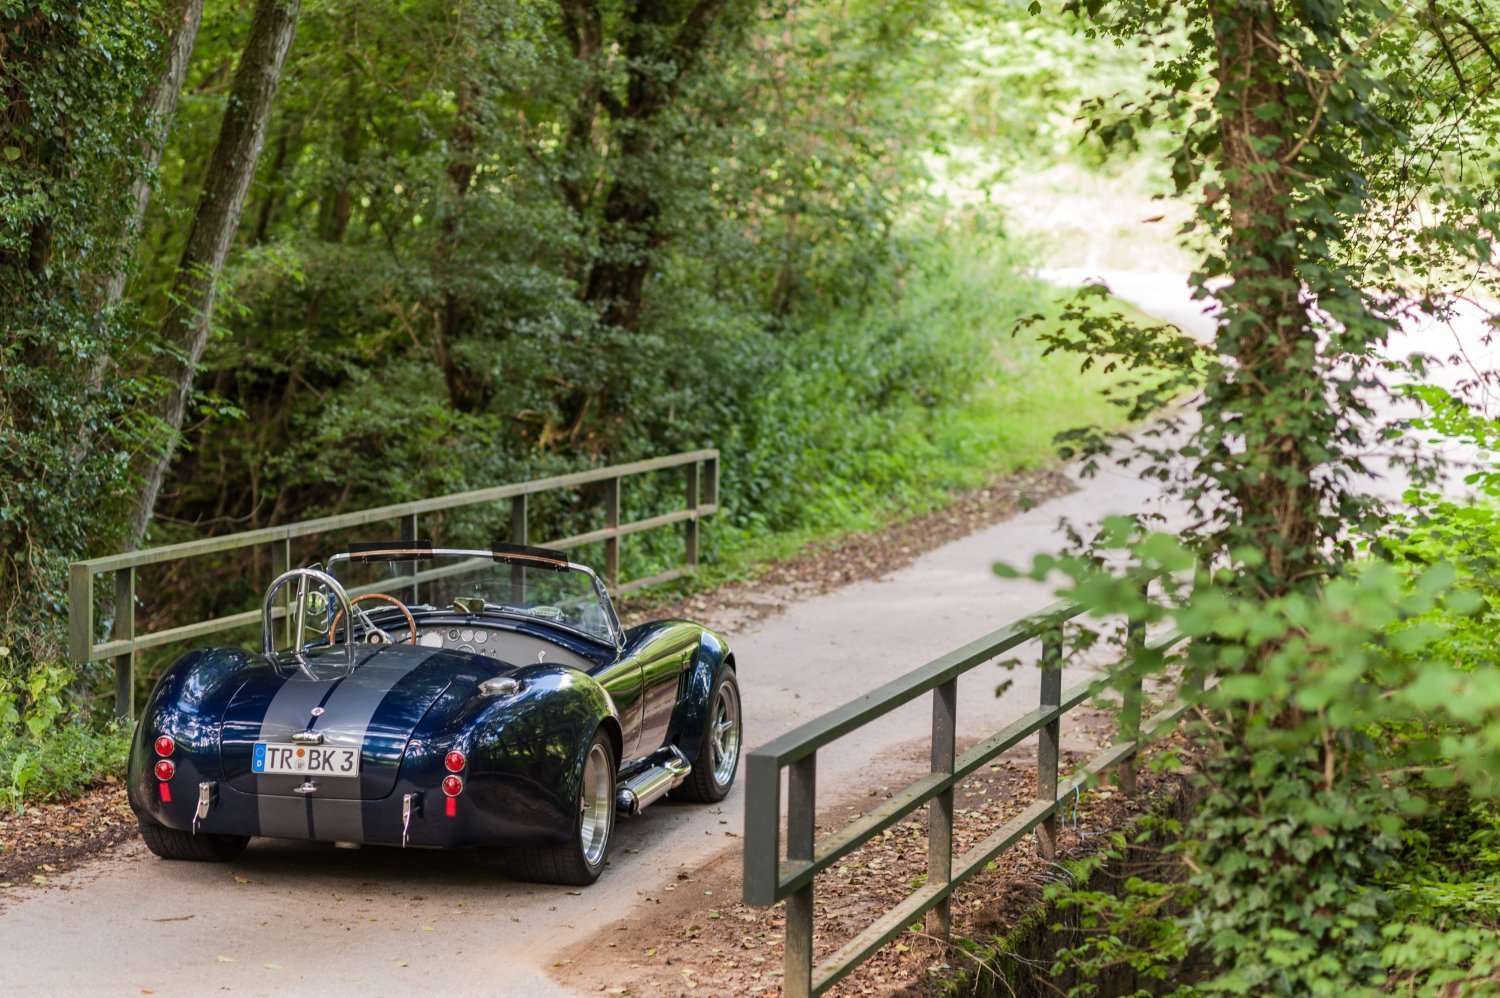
x=406 y=805
x=307 y=737
x=308 y=787
x=205 y=801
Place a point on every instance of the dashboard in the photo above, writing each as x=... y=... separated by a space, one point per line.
x=501 y=645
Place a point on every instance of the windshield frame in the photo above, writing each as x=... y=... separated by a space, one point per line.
x=541 y=559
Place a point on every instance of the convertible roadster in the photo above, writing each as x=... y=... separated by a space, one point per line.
x=460 y=698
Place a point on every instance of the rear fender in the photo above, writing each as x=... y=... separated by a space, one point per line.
x=691 y=716
x=186 y=704
x=525 y=751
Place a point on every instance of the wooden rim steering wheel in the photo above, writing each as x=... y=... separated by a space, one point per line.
x=411 y=622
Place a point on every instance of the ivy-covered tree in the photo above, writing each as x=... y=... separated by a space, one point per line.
x=1337 y=157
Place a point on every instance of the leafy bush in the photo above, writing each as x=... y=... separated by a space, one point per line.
x=61 y=762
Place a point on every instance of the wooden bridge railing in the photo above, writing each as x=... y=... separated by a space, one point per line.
x=700 y=499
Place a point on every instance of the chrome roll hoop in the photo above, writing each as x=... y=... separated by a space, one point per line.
x=299 y=613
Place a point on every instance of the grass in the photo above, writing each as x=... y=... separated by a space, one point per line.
x=1005 y=423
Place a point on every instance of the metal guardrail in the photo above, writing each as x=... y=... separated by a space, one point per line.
x=768 y=878
x=700 y=498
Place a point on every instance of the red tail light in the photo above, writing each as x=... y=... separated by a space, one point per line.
x=166 y=792
x=165 y=745
x=165 y=770
x=452 y=786
x=455 y=761
x=452 y=809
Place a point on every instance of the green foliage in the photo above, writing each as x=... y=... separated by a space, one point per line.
x=1152 y=944
x=1333 y=845
x=32 y=698
x=1339 y=158
x=494 y=241
x=61 y=763
x=71 y=74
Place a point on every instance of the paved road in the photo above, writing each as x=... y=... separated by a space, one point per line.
x=305 y=918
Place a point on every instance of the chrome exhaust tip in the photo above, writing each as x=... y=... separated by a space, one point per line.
x=653 y=783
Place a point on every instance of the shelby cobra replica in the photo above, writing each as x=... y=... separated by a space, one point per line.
x=499 y=703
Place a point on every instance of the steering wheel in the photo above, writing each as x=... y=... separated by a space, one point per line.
x=411 y=622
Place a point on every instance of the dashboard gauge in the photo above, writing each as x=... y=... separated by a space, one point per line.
x=432 y=639
x=452 y=634
x=480 y=637
x=467 y=634
x=467 y=648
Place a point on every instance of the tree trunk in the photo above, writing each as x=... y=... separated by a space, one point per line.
x=1270 y=475
x=466 y=392
x=185 y=327
x=181 y=20
x=616 y=284
x=267 y=213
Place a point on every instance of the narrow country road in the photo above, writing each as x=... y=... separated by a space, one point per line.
x=291 y=918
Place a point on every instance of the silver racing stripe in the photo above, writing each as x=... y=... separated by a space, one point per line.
x=283 y=815
x=349 y=705
x=346 y=719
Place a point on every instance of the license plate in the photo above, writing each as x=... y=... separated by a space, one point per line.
x=304 y=760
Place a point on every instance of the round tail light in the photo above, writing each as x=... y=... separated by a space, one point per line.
x=452 y=786
x=165 y=770
x=455 y=761
x=165 y=745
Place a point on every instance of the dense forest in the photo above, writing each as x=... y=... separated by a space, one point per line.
x=265 y=262
x=271 y=260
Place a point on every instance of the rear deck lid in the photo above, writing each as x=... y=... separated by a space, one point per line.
x=374 y=710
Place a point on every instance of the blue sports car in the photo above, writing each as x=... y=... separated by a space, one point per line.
x=438 y=698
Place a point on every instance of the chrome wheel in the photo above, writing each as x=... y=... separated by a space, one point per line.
x=579 y=860
x=718 y=744
x=724 y=735
x=595 y=804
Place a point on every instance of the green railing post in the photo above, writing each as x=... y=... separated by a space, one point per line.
x=801 y=811
x=692 y=473
x=411 y=527
x=1132 y=694
x=124 y=630
x=1049 y=740
x=612 y=522
x=518 y=525
x=81 y=615
x=520 y=533
x=940 y=810
x=281 y=561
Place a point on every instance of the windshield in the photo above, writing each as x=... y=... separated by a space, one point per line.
x=475 y=582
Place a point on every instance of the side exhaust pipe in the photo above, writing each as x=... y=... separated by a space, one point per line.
x=653 y=782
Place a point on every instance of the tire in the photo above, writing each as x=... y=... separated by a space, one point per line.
x=718 y=759
x=169 y=843
x=581 y=859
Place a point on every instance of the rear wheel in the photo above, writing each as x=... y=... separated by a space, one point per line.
x=580 y=860
x=719 y=752
x=170 y=843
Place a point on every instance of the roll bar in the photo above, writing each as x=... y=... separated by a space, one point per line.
x=303 y=576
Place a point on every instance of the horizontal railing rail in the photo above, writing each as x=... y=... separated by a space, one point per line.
x=700 y=499
x=768 y=878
